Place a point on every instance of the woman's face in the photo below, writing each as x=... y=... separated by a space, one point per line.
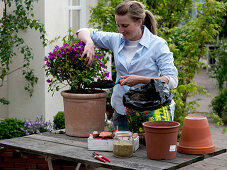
x=128 y=28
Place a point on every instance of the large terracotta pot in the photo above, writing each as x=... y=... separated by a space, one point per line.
x=196 y=137
x=161 y=139
x=84 y=113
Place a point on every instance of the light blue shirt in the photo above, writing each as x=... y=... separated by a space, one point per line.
x=152 y=59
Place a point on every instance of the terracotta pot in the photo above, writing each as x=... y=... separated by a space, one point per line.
x=84 y=113
x=161 y=139
x=195 y=137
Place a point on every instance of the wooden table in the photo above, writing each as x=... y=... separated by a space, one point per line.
x=61 y=146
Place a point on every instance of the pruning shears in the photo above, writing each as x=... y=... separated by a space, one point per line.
x=100 y=157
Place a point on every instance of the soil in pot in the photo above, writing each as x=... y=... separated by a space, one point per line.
x=102 y=84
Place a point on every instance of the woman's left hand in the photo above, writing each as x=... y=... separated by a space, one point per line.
x=132 y=80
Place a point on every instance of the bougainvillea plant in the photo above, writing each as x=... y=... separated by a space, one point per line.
x=65 y=66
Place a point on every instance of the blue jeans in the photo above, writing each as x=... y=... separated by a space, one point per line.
x=120 y=121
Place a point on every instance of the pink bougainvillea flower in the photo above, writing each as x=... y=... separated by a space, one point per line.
x=106 y=74
x=102 y=65
x=101 y=56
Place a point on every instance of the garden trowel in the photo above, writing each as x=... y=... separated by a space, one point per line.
x=105 y=84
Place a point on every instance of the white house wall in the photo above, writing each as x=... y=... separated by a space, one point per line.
x=56 y=23
x=21 y=105
x=3 y=89
x=55 y=15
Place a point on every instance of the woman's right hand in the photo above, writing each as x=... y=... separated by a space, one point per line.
x=89 y=52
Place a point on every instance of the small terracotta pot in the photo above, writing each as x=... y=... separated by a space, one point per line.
x=195 y=137
x=161 y=139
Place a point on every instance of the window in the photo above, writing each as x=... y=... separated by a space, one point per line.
x=77 y=14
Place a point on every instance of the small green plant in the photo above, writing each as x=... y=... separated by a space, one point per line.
x=59 y=120
x=219 y=104
x=11 y=128
x=217 y=119
x=37 y=126
x=224 y=131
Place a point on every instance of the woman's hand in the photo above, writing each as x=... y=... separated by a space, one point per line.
x=89 y=52
x=132 y=80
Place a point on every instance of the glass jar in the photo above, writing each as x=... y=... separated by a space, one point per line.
x=123 y=145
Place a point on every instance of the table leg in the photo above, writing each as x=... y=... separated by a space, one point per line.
x=48 y=159
x=78 y=166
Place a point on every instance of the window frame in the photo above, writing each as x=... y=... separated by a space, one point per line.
x=82 y=11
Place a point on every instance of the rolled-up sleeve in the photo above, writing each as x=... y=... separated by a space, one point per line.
x=173 y=81
x=82 y=29
x=104 y=39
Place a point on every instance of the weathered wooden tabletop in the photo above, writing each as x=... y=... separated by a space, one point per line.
x=61 y=146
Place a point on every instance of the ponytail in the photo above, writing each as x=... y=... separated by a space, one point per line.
x=150 y=22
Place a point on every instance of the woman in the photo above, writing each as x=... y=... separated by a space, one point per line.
x=139 y=54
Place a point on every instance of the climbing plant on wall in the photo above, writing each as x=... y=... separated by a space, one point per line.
x=18 y=16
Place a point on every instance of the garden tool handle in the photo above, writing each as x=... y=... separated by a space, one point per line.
x=105 y=158
x=119 y=81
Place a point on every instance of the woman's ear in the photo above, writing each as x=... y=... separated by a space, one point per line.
x=140 y=22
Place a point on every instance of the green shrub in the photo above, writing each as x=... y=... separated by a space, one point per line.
x=219 y=69
x=219 y=104
x=11 y=128
x=59 y=120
